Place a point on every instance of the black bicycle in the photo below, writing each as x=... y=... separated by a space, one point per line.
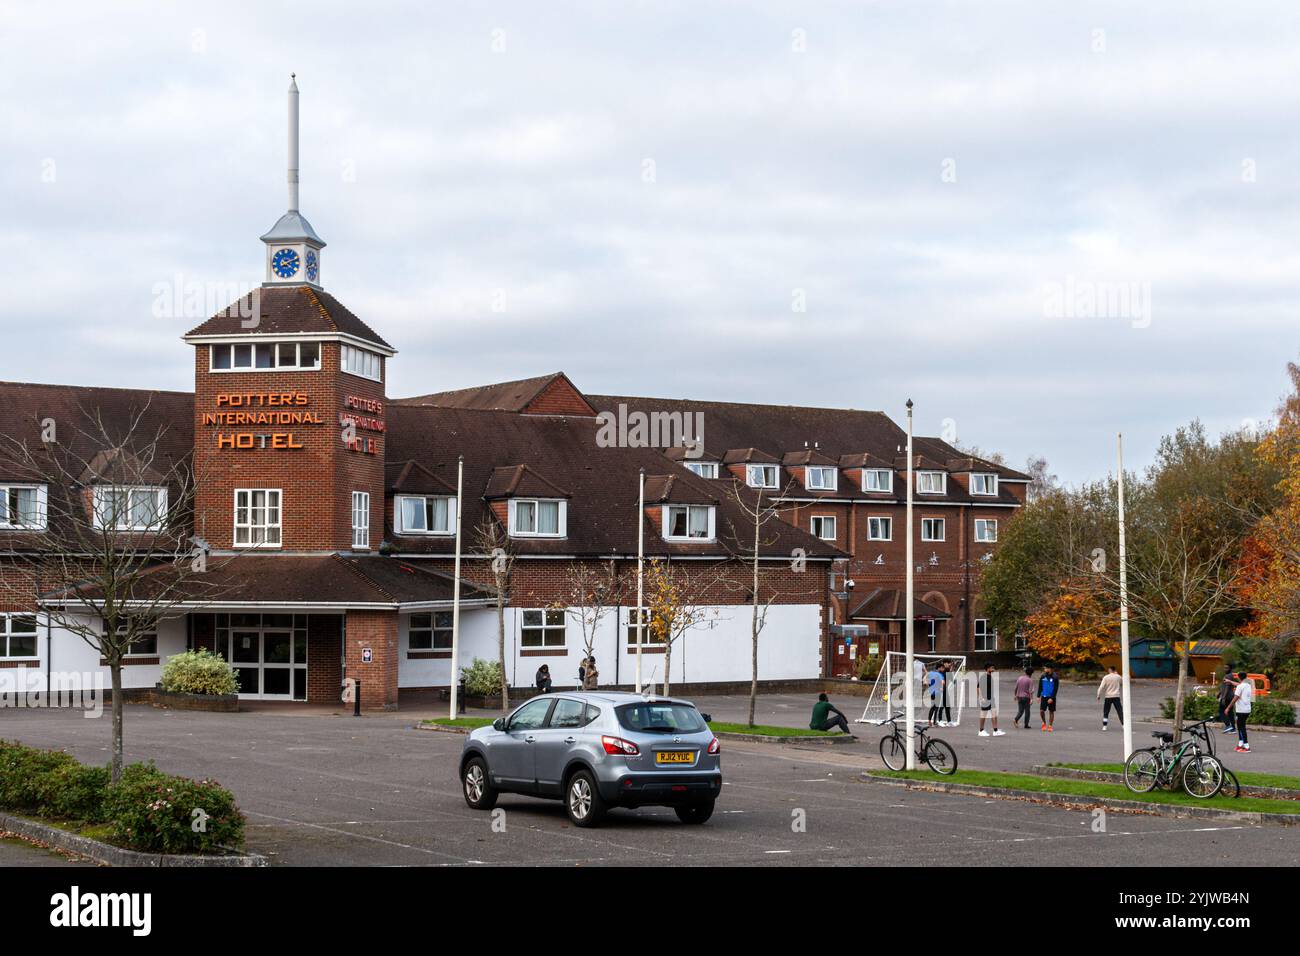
x=1200 y=773
x=933 y=752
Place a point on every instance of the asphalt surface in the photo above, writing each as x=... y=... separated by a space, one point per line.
x=323 y=789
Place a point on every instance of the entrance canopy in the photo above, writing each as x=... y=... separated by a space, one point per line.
x=884 y=604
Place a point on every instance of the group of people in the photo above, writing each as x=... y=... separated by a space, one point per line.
x=588 y=676
x=1236 y=698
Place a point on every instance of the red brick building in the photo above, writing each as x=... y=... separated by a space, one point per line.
x=329 y=510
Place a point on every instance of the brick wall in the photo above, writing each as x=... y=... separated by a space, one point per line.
x=376 y=630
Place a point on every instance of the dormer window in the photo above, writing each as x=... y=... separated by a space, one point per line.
x=24 y=507
x=425 y=514
x=820 y=478
x=361 y=362
x=983 y=484
x=986 y=530
x=130 y=507
x=878 y=479
x=537 y=517
x=705 y=469
x=263 y=356
x=760 y=476
x=688 y=522
x=931 y=482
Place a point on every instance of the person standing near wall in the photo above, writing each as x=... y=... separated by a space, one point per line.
x=1111 y=689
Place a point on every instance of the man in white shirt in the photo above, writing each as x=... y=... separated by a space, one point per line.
x=1243 y=698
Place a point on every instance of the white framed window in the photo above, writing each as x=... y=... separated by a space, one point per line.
x=986 y=529
x=130 y=507
x=425 y=514
x=648 y=638
x=146 y=638
x=821 y=478
x=880 y=529
x=931 y=482
x=983 y=484
x=1021 y=641
x=258 y=356
x=878 y=479
x=542 y=628
x=931 y=634
x=257 y=517
x=363 y=362
x=823 y=526
x=761 y=476
x=538 y=517
x=24 y=507
x=705 y=469
x=688 y=522
x=429 y=631
x=17 y=635
x=932 y=529
x=986 y=639
x=361 y=519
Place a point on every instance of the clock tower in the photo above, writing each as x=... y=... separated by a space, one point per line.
x=293 y=250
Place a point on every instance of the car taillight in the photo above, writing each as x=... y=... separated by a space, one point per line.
x=714 y=746
x=619 y=747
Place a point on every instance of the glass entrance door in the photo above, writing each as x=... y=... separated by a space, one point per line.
x=269 y=652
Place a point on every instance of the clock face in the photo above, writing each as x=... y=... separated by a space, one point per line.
x=313 y=265
x=285 y=263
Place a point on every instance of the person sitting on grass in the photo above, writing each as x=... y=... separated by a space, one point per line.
x=821 y=719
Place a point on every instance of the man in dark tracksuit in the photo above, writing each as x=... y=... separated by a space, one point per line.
x=1049 y=685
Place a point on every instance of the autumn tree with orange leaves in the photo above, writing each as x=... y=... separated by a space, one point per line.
x=1074 y=627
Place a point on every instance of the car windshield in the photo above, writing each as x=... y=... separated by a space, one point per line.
x=663 y=718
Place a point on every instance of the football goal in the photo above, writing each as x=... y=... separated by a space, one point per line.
x=889 y=693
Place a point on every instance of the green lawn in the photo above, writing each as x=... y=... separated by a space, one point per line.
x=1087 y=788
x=471 y=723
x=1247 y=778
x=764 y=730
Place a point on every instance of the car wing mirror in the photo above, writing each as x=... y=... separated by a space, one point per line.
x=499 y=724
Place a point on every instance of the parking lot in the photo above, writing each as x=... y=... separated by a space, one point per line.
x=326 y=789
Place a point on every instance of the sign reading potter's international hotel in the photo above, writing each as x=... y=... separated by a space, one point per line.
x=353 y=422
x=281 y=410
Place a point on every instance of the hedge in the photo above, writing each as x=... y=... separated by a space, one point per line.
x=1267 y=711
x=146 y=810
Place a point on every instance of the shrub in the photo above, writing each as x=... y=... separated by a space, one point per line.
x=152 y=811
x=869 y=666
x=198 y=672
x=1267 y=711
x=482 y=677
x=74 y=791
x=24 y=773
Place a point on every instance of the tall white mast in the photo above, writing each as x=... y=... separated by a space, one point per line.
x=1123 y=610
x=910 y=723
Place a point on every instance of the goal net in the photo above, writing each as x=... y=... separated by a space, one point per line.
x=889 y=693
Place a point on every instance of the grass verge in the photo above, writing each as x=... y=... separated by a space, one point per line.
x=1087 y=788
x=1247 y=778
x=764 y=730
x=471 y=723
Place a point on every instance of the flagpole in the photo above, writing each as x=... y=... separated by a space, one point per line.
x=640 y=576
x=1123 y=611
x=455 y=595
x=909 y=697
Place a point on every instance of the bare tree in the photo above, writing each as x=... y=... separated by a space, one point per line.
x=749 y=543
x=592 y=590
x=491 y=540
x=110 y=550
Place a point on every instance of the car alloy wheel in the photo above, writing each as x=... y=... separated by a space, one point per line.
x=474 y=782
x=580 y=797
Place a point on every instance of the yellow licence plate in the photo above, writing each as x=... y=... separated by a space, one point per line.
x=674 y=756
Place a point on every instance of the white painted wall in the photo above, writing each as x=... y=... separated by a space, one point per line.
x=716 y=650
x=64 y=651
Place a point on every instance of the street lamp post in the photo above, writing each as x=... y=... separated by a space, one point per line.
x=1123 y=611
x=640 y=575
x=455 y=594
x=909 y=697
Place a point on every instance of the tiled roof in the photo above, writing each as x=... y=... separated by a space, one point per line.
x=514 y=396
x=515 y=481
x=286 y=310
x=888 y=604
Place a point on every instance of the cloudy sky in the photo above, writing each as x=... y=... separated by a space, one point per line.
x=1043 y=222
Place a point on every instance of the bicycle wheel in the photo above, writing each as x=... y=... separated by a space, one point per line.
x=1203 y=776
x=1142 y=770
x=1231 y=785
x=939 y=757
x=893 y=752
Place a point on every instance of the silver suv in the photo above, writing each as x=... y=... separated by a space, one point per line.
x=597 y=750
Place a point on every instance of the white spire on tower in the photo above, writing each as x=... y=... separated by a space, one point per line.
x=293 y=142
